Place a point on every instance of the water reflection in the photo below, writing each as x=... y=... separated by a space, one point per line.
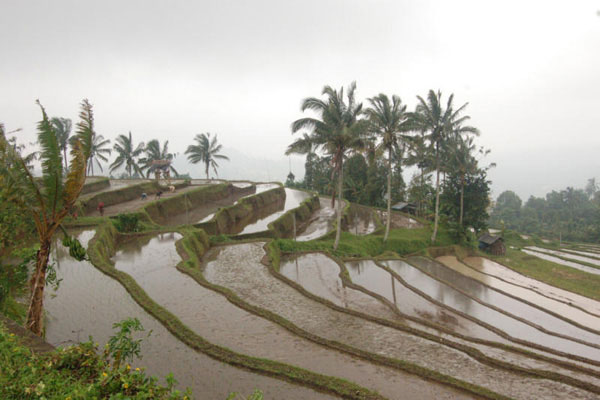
x=293 y=198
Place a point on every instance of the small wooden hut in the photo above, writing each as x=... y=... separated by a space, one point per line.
x=492 y=244
x=409 y=208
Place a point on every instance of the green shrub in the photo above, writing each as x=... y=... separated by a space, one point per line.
x=128 y=223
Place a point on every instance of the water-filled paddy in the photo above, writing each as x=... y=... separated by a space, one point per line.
x=251 y=280
x=567 y=255
x=321 y=222
x=152 y=263
x=458 y=301
x=554 y=259
x=293 y=198
x=489 y=296
x=89 y=302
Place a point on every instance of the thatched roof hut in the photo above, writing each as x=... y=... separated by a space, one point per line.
x=492 y=244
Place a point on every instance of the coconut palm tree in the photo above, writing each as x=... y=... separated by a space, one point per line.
x=155 y=153
x=206 y=151
x=388 y=120
x=47 y=201
x=62 y=127
x=98 y=152
x=439 y=122
x=336 y=132
x=126 y=154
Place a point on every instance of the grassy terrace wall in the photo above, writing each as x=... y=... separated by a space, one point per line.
x=113 y=197
x=191 y=247
x=284 y=225
x=160 y=210
x=228 y=219
x=99 y=184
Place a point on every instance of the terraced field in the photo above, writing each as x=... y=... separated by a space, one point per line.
x=233 y=316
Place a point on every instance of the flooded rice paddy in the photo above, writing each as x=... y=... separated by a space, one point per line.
x=567 y=255
x=211 y=315
x=321 y=222
x=456 y=300
x=88 y=302
x=501 y=301
x=320 y=275
x=293 y=198
x=554 y=259
x=251 y=280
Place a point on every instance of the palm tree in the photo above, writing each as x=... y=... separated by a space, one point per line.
x=62 y=128
x=98 y=152
x=388 y=119
x=431 y=116
x=47 y=201
x=461 y=159
x=155 y=153
x=127 y=154
x=338 y=131
x=206 y=151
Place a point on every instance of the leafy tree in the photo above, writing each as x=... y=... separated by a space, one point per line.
x=337 y=131
x=47 y=201
x=127 y=154
x=418 y=155
x=388 y=120
x=62 y=128
x=290 y=179
x=431 y=116
x=355 y=177
x=206 y=151
x=304 y=145
x=155 y=153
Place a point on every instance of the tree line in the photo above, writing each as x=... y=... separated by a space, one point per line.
x=359 y=153
x=569 y=214
x=142 y=159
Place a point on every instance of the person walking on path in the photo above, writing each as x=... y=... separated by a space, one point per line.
x=101 y=208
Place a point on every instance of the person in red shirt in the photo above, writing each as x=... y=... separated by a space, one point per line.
x=101 y=208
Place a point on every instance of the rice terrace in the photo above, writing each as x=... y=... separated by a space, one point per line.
x=328 y=242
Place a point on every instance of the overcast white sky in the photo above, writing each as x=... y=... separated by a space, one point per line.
x=171 y=69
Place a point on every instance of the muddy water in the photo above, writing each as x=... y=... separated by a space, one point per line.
x=319 y=275
x=556 y=260
x=89 y=302
x=370 y=276
x=567 y=255
x=242 y=272
x=362 y=225
x=212 y=316
x=537 y=292
x=293 y=198
x=321 y=222
x=476 y=289
x=458 y=301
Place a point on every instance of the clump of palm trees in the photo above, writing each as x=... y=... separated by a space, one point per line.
x=207 y=151
x=435 y=134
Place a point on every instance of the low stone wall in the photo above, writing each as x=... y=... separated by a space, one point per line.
x=283 y=227
x=161 y=210
x=113 y=197
x=99 y=184
x=228 y=219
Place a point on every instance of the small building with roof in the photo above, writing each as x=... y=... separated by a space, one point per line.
x=408 y=208
x=492 y=244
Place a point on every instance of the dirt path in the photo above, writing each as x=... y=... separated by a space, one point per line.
x=134 y=205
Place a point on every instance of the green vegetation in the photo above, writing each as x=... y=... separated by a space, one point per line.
x=154 y=158
x=75 y=372
x=338 y=132
x=400 y=242
x=441 y=144
x=557 y=275
x=46 y=201
x=571 y=214
x=206 y=151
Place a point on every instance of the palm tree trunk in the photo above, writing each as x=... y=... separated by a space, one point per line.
x=462 y=197
x=437 y=195
x=37 y=283
x=389 y=197
x=339 y=206
x=206 y=171
x=65 y=158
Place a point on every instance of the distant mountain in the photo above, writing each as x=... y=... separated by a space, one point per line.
x=247 y=167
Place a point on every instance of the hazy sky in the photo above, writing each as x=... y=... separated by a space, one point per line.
x=530 y=71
